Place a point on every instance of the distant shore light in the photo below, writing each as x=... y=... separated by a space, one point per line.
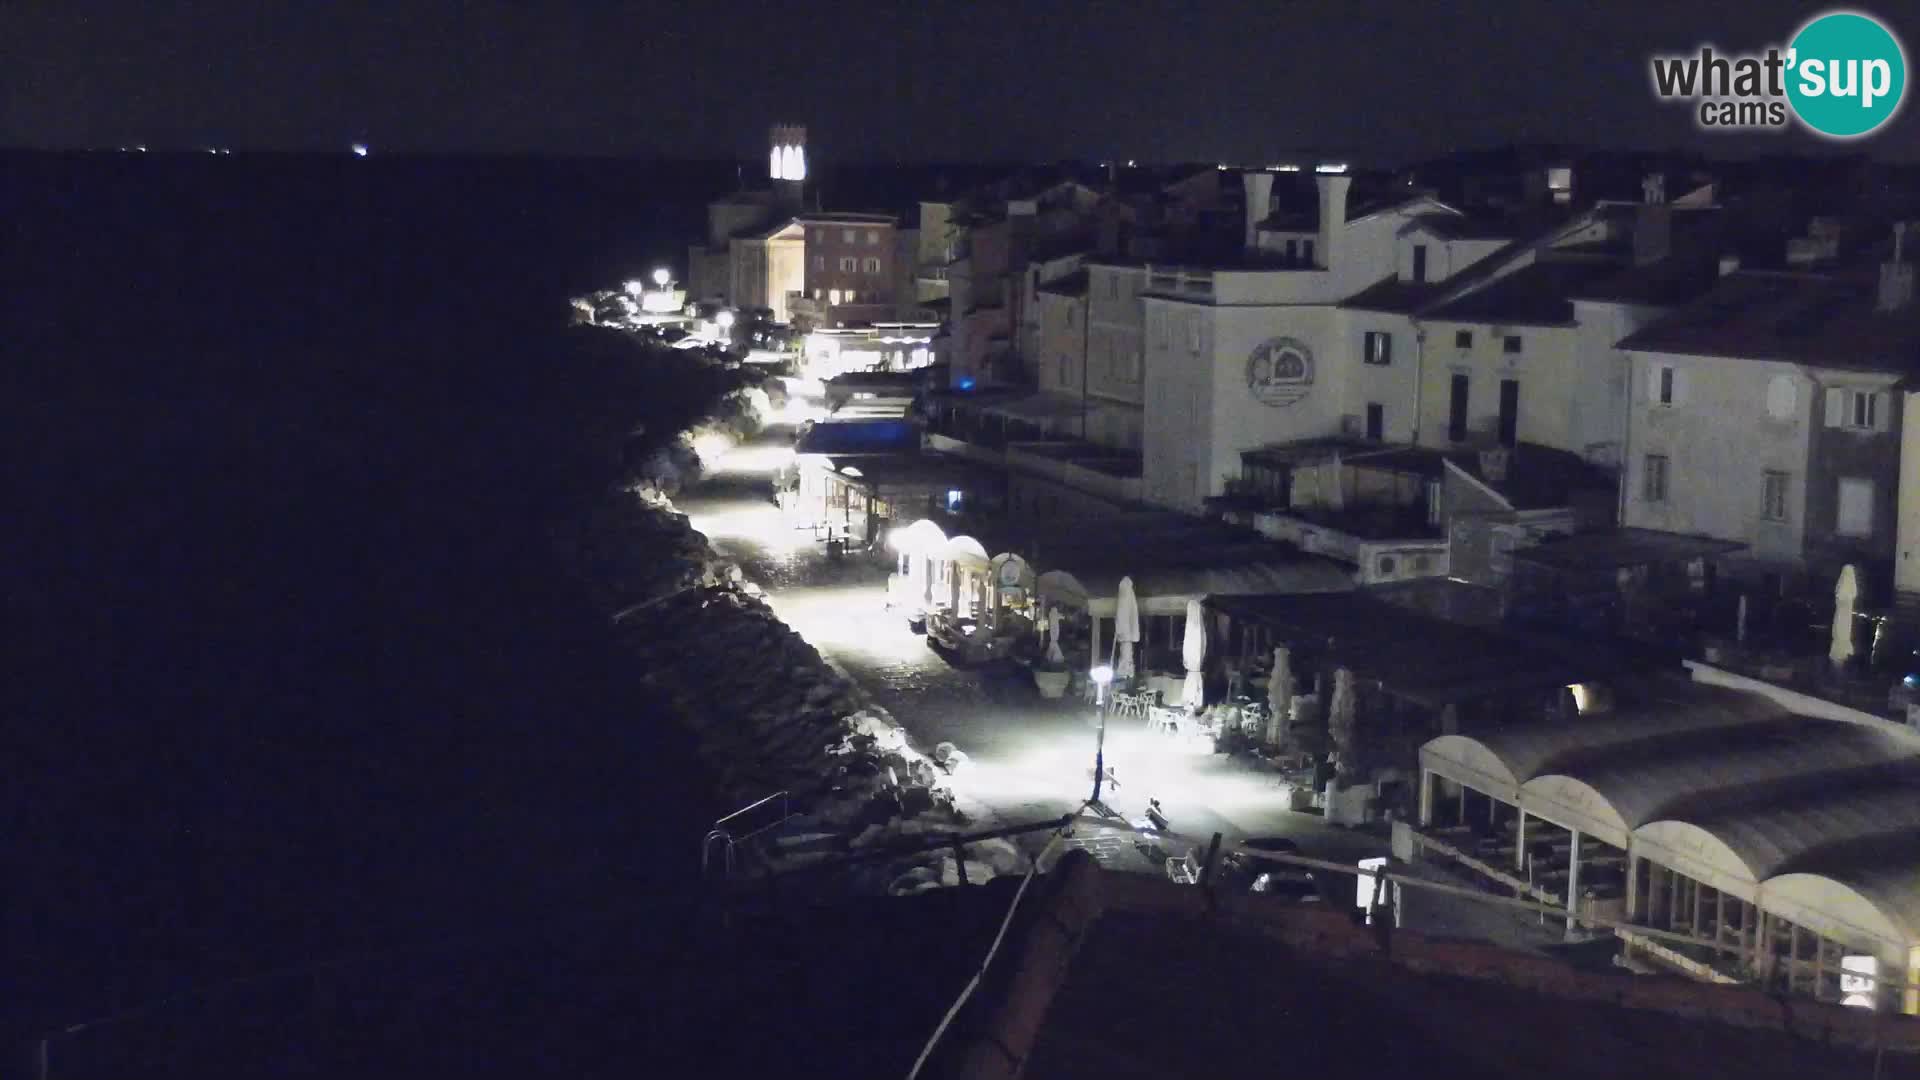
x=359 y=149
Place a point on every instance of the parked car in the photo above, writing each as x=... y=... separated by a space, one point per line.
x=1282 y=881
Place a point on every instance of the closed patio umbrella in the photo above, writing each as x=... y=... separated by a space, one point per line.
x=1053 y=637
x=1126 y=628
x=1193 y=651
x=1279 y=696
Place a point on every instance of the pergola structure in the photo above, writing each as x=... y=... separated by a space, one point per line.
x=1783 y=849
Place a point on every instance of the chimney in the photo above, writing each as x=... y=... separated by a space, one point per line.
x=1896 y=275
x=1333 y=218
x=1493 y=465
x=1259 y=187
x=1728 y=264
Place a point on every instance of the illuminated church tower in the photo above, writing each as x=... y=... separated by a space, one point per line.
x=787 y=164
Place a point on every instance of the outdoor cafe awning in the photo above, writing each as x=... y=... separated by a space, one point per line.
x=1166 y=590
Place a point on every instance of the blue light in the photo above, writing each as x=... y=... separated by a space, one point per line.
x=1913 y=682
x=953 y=499
x=966 y=382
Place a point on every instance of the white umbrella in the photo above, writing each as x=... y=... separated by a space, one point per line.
x=1053 y=637
x=1279 y=696
x=1193 y=650
x=1846 y=594
x=1126 y=628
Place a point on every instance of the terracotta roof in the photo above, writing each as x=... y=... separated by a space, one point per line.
x=1463 y=227
x=1122 y=975
x=1074 y=284
x=1821 y=320
x=1536 y=295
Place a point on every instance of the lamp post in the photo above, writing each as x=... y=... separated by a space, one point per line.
x=661 y=277
x=724 y=321
x=1101 y=676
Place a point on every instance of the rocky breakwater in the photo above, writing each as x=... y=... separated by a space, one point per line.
x=769 y=712
x=773 y=715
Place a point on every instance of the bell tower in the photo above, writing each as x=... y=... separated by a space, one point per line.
x=787 y=164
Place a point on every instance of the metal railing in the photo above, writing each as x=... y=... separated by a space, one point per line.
x=721 y=835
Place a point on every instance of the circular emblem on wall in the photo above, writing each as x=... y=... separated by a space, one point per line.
x=1280 y=371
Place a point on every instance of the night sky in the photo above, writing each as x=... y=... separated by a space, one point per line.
x=878 y=81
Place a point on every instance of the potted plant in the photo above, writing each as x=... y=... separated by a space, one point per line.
x=1051 y=676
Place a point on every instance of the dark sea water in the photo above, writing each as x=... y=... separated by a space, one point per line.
x=293 y=672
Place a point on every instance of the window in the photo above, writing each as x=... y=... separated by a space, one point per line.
x=1379 y=347
x=1510 y=344
x=1457 y=407
x=1653 y=480
x=1376 y=421
x=1388 y=565
x=1306 y=251
x=847 y=236
x=1666 y=385
x=1463 y=339
x=833 y=297
x=819 y=262
x=1860 y=410
x=819 y=294
x=849 y=264
x=873 y=236
x=1773 y=495
x=1419 y=262
x=873 y=266
x=1856 y=507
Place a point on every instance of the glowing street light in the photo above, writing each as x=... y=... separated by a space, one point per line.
x=635 y=288
x=725 y=319
x=1102 y=675
x=359 y=149
x=662 y=277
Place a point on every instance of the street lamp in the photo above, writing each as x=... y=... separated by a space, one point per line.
x=661 y=277
x=1102 y=676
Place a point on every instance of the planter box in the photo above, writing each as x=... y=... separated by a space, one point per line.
x=1052 y=684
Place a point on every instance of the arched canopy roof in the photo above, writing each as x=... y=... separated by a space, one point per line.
x=1870 y=889
x=922 y=537
x=1470 y=761
x=1022 y=575
x=964 y=551
x=1511 y=756
x=1738 y=847
x=1616 y=790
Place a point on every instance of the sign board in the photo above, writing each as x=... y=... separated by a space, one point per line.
x=1859 y=979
